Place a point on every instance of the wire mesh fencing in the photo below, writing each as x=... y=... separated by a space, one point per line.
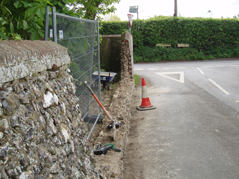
x=81 y=38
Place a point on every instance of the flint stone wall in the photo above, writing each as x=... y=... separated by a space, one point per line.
x=120 y=110
x=127 y=54
x=42 y=134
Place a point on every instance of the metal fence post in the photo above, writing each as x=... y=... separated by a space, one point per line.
x=54 y=24
x=98 y=39
x=84 y=59
x=91 y=63
x=46 y=23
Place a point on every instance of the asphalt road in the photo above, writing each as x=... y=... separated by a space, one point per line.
x=194 y=132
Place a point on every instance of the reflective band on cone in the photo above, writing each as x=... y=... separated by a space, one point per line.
x=146 y=104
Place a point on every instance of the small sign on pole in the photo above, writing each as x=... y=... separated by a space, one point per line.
x=133 y=9
x=130 y=16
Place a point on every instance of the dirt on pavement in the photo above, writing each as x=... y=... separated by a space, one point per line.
x=133 y=167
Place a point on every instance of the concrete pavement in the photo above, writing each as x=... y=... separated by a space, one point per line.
x=194 y=131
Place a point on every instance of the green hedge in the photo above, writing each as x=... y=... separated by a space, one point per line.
x=156 y=54
x=210 y=37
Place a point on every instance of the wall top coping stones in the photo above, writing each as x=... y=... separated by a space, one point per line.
x=113 y=35
x=19 y=59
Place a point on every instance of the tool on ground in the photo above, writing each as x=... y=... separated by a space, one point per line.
x=146 y=104
x=103 y=150
x=113 y=147
x=117 y=125
x=103 y=108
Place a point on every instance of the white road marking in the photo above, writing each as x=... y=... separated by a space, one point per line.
x=219 y=87
x=208 y=66
x=233 y=65
x=200 y=71
x=138 y=69
x=168 y=68
x=181 y=74
x=152 y=68
x=237 y=101
x=180 y=67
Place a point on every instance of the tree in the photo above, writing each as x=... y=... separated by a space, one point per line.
x=237 y=16
x=24 y=19
x=111 y=17
x=92 y=8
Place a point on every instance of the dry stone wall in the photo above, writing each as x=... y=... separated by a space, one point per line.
x=42 y=134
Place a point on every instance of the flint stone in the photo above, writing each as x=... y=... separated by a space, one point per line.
x=23 y=98
x=49 y=131
x=46 y=115
x=23 y=161
x=87 y=166
x=9 y=90
x=63 y=108
x=3 y=174
x=75 y=173
x=36 y=170
x=65 y=134
x=54 y=169
x=1 y=111
x=29 y=134
x=36 y=91
x=15 y=121
x=75 y=100
x=52 y=126
x=7 y=107
x=27 y=175
x=3 y=94
x=47 y=86
x=16 y=89
x=41 y=177
x=29 y=107
x=42 y=78
x=4 y=125
x=3 y=151
x=42 y=120
x=68 y=149
x=48 y=99
x=1 y=135
x=52 y=75
x=15 y=101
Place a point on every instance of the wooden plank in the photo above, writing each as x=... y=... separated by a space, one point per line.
x=183 y=45
x=163 y=45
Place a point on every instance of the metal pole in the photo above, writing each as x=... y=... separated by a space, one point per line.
x=99 y=115
x=175 y=8
x=54 y=24
x=137 y=12
x=98 y=39
x=91 y=63
x=46 y=23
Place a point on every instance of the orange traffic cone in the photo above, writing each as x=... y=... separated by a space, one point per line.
x=146 y=104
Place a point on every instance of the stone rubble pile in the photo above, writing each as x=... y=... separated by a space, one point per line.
x=120 y=110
